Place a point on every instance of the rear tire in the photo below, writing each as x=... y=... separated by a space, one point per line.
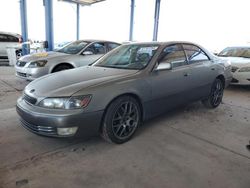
x=61 y=68
x=18 y=53
x=216 y=94
x=121 y=120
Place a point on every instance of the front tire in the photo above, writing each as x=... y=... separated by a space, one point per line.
x=122 y=118
x=216 y=94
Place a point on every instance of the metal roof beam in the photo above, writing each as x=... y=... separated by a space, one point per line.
x=48 y=4
x=77 y=21
x=132 y=11
x=24 y=26
x=83 y=2
x=156 y=22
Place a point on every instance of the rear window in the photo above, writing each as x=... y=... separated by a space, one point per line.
x=8 y=38
x=111 y=46
x=194 y=53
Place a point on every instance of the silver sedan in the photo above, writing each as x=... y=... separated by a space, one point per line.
x=76 y=54
x=125 y=87
x=240 y=59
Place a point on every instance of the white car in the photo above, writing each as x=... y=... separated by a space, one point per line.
x=75 y=54
x=9 y=40
x=240 y=60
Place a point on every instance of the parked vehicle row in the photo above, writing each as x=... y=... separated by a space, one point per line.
x=132 y=83
x=240 y=60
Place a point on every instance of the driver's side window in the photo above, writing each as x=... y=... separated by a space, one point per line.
x=96 y=48
x=173 y=54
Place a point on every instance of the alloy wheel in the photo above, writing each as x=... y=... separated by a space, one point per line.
x=125 y=120
x=217 y=93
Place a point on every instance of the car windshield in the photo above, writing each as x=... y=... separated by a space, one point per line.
x=74 y=47
x=235 y=52
x=132 y=56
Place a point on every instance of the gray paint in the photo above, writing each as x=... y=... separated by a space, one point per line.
x=157 y=91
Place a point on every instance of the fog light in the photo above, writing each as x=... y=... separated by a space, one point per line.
x=67 y=131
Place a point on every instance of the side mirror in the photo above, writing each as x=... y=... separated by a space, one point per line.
x=87 y=53
x=164 y=66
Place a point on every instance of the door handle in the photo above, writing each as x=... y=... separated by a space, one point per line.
x=187 y=74
x=212 y=68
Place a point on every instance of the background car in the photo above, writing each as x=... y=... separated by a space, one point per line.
x=240 y=60
x=129 y=85
x=75 y=54
x=9 y=40
x=60 y=45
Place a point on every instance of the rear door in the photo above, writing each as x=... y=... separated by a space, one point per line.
x=202 y=71
x=169 y=87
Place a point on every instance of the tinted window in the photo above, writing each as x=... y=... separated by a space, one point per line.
x=194 y=53
x=3 y=38
x=97 y=48
x=129 y=57
x=74 y=47
x=12 y=38
x=111 y=46
x=173 y=54
x=236 y=52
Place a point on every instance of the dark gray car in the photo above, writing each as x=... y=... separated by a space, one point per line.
x=125 y=87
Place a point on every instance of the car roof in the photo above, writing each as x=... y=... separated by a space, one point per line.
x=10 y=33
x=95 y=40
x=237 y=47
x=163 y=43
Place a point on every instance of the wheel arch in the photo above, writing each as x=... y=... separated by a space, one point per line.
x=222 y=78
x=60 y=64
x=135 y=96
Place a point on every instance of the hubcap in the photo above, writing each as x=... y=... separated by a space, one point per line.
x=217 y=93
x=125 y=120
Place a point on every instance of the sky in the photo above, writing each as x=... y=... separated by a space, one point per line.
x=215 y=24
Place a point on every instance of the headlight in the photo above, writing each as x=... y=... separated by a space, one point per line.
x=244 y=69
x=39 y=63
x=75 y=102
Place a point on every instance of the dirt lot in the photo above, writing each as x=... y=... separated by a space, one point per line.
x=191 y=147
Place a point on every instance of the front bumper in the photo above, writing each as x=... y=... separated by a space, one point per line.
x=241 y=78
x=31 y=73
x=46 y=121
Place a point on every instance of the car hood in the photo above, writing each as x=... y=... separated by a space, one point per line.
x=42 y=56
x=238 y=61
x=68 y=82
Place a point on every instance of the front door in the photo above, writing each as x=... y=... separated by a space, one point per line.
x=169 y=87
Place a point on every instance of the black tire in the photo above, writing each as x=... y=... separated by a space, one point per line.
x=216 y=94
x=18 y=53
x=122 y=118
x=61 y=68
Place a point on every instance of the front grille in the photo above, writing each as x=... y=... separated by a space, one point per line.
x=29 y=99
x=21 y=74
x=234 y=69
x=234 y=80
x=21 y=63
x=46 y=130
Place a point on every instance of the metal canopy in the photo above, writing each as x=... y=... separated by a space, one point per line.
x=83 y=2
